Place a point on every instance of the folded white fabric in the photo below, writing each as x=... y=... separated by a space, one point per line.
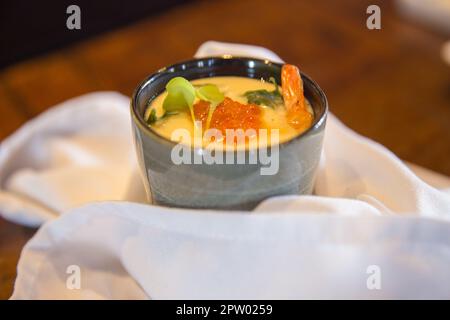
x=81 y=151
x=133 y=251
x=75 y=153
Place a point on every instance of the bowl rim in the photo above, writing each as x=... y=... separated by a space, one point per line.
x=138 y=119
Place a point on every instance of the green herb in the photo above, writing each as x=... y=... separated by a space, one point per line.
x=203 y=84
x=265 y=97
x=152 y=118
x=167 y=114
x=180 y=96
x=211 y=93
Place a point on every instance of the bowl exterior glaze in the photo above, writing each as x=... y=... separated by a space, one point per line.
x=224 y=186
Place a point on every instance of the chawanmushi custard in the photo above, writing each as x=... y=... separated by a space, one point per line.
x=230 y=102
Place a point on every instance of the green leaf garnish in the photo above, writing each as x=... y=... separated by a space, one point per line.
x=265 y=97
x=152 y=117
x=167 y=114
x=180 y=96
x=211 y=93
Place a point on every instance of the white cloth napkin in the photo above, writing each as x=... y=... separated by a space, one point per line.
x=81 y=151
x=132 y=251
x=77 y=152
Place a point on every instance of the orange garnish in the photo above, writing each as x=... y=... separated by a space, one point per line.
x=231 y=114
x=201 y=110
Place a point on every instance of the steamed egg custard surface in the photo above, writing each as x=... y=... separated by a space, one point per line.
x=239 y=103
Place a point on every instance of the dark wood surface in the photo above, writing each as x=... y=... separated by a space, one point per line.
x=388 y=84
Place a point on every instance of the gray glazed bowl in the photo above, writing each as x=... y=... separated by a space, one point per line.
x=223 y=186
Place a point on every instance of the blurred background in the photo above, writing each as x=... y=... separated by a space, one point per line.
x=392 y=84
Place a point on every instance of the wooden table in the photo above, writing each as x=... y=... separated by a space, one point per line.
x=387 y=84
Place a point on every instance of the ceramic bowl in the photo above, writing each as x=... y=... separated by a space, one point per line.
x=224 y=186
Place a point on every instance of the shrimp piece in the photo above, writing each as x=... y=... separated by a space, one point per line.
x=297 y=114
